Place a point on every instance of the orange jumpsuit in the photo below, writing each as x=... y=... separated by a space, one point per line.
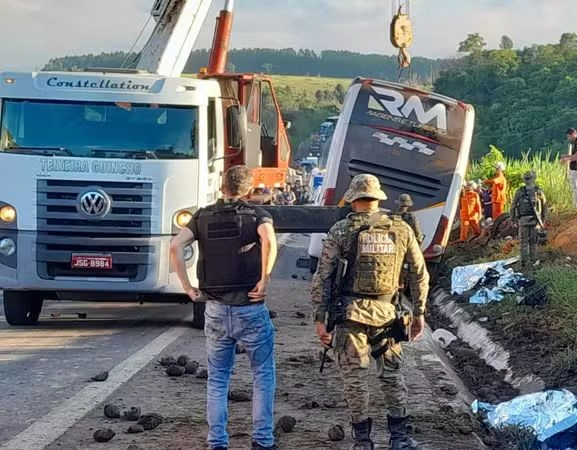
x=470 y=214
x=498 y=194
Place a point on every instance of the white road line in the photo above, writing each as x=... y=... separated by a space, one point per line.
x=59 y=420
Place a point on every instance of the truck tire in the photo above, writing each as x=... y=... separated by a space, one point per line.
x=313 y=264
x=22 y=307
x=198 y=317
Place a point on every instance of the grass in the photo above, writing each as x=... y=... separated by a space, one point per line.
x=309 y=84
x=552 y=176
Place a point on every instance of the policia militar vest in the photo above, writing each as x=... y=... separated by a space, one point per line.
x=230 y=249
x=374 y=257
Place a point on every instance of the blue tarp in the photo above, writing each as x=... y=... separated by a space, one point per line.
x=551 y=414
x=465 y=278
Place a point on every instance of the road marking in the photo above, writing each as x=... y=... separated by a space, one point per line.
x=59 y=420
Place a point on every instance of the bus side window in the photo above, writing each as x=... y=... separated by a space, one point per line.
x=211 y=132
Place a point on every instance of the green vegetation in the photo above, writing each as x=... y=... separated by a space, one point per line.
x=328 y=63
x=551 y=175
x=524 y=99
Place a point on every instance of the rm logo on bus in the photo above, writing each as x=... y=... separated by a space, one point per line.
x=395 y=103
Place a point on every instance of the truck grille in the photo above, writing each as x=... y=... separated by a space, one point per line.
x=124 y=233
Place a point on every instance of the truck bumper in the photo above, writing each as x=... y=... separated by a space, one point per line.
x=140 y=264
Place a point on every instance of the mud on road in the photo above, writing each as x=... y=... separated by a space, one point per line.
x=438 y=401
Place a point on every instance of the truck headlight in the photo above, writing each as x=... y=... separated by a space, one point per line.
x=7 y=247
x=188 y=253
x=7 y=214
x=182 y=219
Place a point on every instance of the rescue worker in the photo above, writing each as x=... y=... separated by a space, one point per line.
x=498 y=191
x=470 y=212
x=288 y=196
x=405 y=202
x=370 y=297
x=529 y=209
x=485 y=196
x=237 y=251
x=571 y=159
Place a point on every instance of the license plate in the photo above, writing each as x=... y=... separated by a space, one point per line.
x=97 y=262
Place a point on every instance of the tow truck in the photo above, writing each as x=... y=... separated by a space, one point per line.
x=102 y=167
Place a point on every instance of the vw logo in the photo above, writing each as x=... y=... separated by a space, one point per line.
x=94 y=204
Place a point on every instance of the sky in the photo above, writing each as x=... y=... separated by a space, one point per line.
x=33 y=31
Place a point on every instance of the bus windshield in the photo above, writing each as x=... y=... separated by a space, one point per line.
x=409 y=140
x=99 y=130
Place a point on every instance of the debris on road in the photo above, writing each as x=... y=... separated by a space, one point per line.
x=175 y=371
x=82 y=315
x=102 y=376
x=133 y=414
x=464 y=278
x=239 y=396
x=112 y=411
x=202 y=374
x=300 y=314
x=272 y=314
x=168 y=361
x=191 y=368
x=443 y=337
x=183 y=360
x=150 y=421
x=104 y=435
x=294 y=276
x=550 y=414
x=134 y=429
x=336 y=433
x=311 y=405
x=286 y=424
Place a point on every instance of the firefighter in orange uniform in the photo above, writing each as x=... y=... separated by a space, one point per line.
x=470 y=211
x=499 y=190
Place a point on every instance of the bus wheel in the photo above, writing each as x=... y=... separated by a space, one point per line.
x=22 y=307
x=198 y=317
x=313 y=264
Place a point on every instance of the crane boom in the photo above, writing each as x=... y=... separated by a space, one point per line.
x=178 y=24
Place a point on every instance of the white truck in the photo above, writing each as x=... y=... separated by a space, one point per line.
x=100 y=168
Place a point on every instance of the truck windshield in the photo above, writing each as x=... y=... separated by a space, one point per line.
x=99 y=130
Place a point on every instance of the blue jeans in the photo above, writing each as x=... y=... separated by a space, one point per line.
x=224 y=327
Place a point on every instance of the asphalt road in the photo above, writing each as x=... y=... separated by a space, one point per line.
x=47 y=403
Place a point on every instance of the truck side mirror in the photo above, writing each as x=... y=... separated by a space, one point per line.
x=237 y=126
x=287 y=124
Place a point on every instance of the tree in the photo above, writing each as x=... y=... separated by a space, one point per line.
x=506 y=43
x=340 y=93
x=473 y=43
x=568 y=41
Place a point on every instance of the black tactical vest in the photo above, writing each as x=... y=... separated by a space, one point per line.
x=230 y=249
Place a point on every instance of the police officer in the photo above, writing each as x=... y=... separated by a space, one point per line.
x=529 y=209
x=237 y=251
x=369 y=295
x=405 y=202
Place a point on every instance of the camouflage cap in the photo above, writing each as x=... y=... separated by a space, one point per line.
x=404 y=200
x=364 y=186
x=529 y=176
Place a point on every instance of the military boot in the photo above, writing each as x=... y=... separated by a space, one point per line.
x=362 y=435
x=399 y=438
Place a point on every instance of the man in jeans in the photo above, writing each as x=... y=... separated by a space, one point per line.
x=237 y=251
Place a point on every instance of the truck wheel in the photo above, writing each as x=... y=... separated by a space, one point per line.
x=22 y=307
x=313 y=264
x=198 y=318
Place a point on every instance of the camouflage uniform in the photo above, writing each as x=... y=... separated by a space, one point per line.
x=405 y=202
x=528 y=200
x=367 y=316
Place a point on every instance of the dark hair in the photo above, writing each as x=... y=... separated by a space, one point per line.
x=238 y=180
x=570 y=131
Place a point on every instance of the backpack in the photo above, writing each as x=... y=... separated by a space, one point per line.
x=374 y=256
